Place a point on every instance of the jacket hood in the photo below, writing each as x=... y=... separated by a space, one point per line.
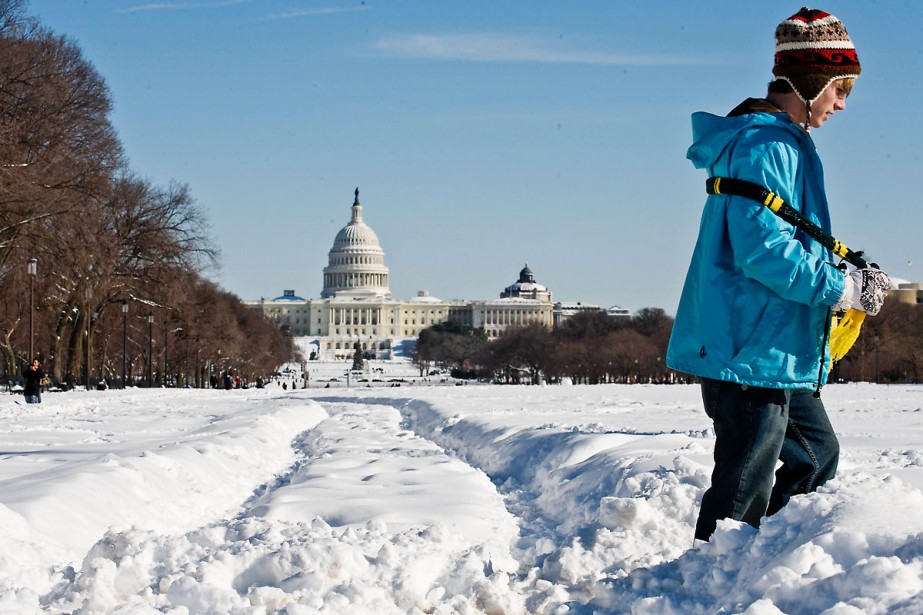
x=711 y=134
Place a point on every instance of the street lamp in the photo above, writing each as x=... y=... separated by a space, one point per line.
x=124 y=342
x=88 y=323
x=185 y=383
x=197 y=374
x=32 y=270
x=164 y=378
x=150 y=349
x=91 y=318
x=877 y=346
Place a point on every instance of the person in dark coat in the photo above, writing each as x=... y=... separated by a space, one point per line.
x=33 y=375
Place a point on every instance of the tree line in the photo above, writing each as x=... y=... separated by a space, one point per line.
x=100 y=268
x=592 y=348
x=889 y=348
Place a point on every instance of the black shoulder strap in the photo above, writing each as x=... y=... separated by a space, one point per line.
x=756 y=192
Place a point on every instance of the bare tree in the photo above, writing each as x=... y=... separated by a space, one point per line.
x=101 y=235
x=57 y=146
x=520 y=353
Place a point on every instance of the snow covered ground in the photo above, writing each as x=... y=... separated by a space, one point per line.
x=430 y=498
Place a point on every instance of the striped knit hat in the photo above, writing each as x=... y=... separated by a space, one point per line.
x=813 y=50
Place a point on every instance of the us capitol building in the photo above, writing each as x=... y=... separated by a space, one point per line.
x=355 y=304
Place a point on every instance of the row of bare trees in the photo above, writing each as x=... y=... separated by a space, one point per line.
x=889 y=348
x=118 y=264
x=593 y=348
x=590 y=347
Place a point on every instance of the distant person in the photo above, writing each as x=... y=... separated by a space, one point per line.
x=33 y=374
x=754 y=317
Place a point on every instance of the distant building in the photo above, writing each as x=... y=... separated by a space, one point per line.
x=289 y=312
x=563 y=311
x=355 y=304
x=908 y=292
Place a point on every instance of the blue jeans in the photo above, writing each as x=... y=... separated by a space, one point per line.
x=754 y=429
x=33 y=399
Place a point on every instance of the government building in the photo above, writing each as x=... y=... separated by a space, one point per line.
x=355 y=304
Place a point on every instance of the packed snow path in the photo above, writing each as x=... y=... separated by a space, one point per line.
x=446 y=500
x=361 y=465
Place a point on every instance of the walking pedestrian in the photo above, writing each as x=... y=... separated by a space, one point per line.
x=754 y=317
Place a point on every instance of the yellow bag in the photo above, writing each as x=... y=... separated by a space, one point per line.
x=844 y=331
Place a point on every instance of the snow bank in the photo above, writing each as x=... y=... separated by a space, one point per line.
x=423 y=499
x=170 y=464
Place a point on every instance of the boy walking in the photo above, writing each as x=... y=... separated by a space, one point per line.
x=754 y=317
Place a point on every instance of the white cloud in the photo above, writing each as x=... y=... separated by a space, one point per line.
x=310 y=12
x=179 y=6
x=509 y=48
x=172 y=6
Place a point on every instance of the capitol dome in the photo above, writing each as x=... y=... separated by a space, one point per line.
x=356 y=262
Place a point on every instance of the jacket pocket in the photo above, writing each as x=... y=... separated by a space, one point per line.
x=759 y=346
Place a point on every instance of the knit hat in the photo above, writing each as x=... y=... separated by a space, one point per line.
x=813 y=50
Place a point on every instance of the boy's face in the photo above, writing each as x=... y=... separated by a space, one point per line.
x=831 y=100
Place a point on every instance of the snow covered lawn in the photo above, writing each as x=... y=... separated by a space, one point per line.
x=438 y=499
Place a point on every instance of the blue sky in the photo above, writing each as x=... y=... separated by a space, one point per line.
x=483 y=135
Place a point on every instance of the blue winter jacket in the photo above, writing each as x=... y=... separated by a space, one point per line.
x=755 y=306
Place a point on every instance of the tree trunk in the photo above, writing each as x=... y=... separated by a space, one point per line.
x=75 y=348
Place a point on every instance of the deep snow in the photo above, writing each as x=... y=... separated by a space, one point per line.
x=430 y=498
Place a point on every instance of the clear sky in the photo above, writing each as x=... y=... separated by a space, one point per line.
x=483 y=135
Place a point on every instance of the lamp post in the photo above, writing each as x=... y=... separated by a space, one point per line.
x=88 y=322
x=86 y=373
x=165 y=372
x=877 y=372
x=197 y=374
x=185 y=378
x=32 y=270
x=91 y=318
x=124 y=343
x=150 y=349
